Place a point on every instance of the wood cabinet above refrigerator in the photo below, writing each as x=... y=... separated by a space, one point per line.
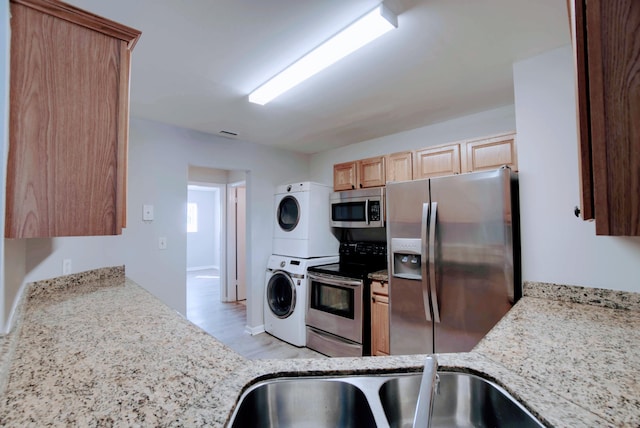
x=69 y=119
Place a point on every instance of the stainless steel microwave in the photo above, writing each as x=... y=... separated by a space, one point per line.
x=358 y=208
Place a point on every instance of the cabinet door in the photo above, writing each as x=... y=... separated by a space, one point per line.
x=345 y=176
x=490 y=153
x=371 y=172
x=379 y=325
x=399 y=166
x=68 y=122
x=610 y=94
x=437 y=161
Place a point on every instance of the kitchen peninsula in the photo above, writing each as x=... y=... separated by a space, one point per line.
x=96 y=349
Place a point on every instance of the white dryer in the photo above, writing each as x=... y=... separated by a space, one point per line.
x=286 y=296
x=302 y=226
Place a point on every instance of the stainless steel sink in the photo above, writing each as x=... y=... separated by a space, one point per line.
x=463 y=400
x=301 y=402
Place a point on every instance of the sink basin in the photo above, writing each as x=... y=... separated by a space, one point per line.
x=300 y=402
x=463 y=400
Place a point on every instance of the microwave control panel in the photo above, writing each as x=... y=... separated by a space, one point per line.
x=374 y=211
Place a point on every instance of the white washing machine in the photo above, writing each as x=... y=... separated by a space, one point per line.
x=286 y=296
x=302 y=226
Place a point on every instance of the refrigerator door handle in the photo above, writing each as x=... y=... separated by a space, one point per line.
x=432 y=261
x=423 y=256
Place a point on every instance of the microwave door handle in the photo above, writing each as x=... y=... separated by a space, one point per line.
x=423 y=256
x=366 y=211
x=432 y=261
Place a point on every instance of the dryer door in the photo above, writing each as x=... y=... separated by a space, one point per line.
x=281 y=294
x=288 y=213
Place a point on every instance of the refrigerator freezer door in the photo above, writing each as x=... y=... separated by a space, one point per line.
x=474 y=256
x=410 y=328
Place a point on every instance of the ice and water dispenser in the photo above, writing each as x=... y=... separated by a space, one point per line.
x=407 y=259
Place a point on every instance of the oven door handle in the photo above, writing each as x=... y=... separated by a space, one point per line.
x=335 y=281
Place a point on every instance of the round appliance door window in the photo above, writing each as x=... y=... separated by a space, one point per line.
x=281 y=295
x=288 y=213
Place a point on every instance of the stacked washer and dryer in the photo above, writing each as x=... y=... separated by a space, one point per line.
x=301 y=238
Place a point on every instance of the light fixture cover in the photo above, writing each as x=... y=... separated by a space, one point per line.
x=366 y=29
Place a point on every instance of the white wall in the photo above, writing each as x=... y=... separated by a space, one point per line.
x=203 y=246
x=476 y=125
x=159 y=159
x=556 y=246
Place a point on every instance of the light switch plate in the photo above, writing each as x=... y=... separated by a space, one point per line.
x=66 y=266
x=147 y=212
x=162 y=243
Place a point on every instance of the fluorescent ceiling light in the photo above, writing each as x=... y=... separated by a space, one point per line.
x=366 y=29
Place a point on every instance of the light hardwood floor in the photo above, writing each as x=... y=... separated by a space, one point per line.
x=226 y=321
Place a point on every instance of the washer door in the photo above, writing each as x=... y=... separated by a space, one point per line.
x=281 y=294
x=288 y=213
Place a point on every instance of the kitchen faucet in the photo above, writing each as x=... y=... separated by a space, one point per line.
x=428 y=387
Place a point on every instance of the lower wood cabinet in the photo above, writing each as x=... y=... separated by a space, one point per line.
x=379 y=318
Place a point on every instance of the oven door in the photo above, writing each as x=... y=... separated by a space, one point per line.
x=334 y=305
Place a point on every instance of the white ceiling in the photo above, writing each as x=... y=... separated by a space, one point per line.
x=198 y=60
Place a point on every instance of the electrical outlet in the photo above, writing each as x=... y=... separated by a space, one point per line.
x=162 y=243
x=66 y=266
x=147 y=212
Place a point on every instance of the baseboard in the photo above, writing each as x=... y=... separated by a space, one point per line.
x=254 y=330
x=191 y=269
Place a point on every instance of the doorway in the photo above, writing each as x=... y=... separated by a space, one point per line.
x=216 y=235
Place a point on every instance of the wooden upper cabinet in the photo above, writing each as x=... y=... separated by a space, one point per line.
x=371 y=172
x=359 y=174
x=399 y=166
x=68 y=129
x=606 y=35
x=345 y=176
x=437 y=161
x=490 y=153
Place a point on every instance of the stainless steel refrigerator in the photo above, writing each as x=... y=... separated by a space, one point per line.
x=454 y=259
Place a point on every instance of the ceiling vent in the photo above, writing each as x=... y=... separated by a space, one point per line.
x=228 y=134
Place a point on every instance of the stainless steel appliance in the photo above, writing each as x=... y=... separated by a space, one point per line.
x=454 y=259
x=357 y=208
x=338 y=307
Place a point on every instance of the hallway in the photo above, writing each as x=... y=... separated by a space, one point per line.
x=227 y=321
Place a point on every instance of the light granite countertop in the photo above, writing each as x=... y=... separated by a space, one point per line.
x=96 y=349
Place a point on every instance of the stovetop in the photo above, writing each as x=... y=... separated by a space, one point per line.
x=357 y=260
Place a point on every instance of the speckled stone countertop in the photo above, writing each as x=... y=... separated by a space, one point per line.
x=96 y=349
